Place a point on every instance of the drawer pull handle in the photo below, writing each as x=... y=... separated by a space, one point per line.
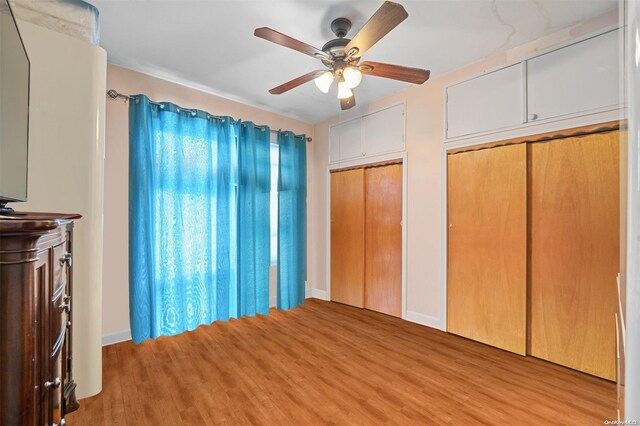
x=53 y=385
x=66 y=306
x=66 y=259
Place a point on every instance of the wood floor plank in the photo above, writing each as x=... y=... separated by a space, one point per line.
x=327 y=363
x=114 y=412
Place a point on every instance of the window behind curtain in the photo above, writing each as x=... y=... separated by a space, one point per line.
x=274 y=203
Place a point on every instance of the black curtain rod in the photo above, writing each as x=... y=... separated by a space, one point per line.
x=113 y=94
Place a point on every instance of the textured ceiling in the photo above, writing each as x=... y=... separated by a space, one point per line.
x=210 y=44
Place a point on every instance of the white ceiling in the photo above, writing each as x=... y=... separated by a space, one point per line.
x=209 y=44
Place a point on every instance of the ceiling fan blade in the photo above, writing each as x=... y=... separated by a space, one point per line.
x=396 y=72
x=290 y=42
x=348 y=103
x=295 y=82
x=382 y=22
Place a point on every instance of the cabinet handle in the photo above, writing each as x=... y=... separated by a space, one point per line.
x=533 y=117
x=66 y=306
x=66 y=259
x=53 y=385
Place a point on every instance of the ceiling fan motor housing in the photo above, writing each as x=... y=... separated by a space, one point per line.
x=340 y=58
x=340 y=27
x=335 y=47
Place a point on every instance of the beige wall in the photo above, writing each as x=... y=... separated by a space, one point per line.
x=425 y=122
x=115 y=318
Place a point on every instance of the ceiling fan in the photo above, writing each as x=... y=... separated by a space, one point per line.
x=341 y=56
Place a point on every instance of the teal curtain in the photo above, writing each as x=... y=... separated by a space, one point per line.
x=292 y=216
x=254 y=236
x=198 y=219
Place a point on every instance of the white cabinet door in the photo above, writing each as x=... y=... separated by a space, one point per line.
x=489 y=102
x=345 y=138
x=383 y=131
x=334 y=145
x=579 y=78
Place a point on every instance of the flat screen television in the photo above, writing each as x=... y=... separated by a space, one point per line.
x=14 y=110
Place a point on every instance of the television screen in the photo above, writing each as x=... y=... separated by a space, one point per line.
x=14 y=109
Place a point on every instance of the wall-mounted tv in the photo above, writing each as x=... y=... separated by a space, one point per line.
x=14 y=109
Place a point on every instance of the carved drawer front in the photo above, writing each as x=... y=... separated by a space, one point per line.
x=60 y=305
x=55 y=388
x=61 y=262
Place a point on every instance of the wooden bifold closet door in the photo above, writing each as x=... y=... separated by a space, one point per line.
x=366 y=238
x=347 y=237
x=383 y=239
x=575 y=246
x=534 y=248
x=487 y=246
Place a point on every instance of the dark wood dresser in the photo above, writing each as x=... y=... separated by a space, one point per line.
x=36 y=291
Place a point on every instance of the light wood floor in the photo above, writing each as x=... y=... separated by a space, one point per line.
x=330 y=363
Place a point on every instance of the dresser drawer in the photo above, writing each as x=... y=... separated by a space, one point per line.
x=61 y=263
x=59 y=269
x=55 y=389
x=58 y=341
x=60 y=305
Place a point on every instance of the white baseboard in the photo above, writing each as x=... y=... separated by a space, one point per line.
x=428 y=320
x=308 y=292
x=116 y=337
x=319 y=294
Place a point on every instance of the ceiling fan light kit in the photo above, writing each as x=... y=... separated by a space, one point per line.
x=344 y=91
x=324 y=81
x=352 y=76
x=341 y=56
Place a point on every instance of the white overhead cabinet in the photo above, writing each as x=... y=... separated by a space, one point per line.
x=344 y=141
x=491 y=101
x=582 y=77
x=381 y=132
x=575 y=80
